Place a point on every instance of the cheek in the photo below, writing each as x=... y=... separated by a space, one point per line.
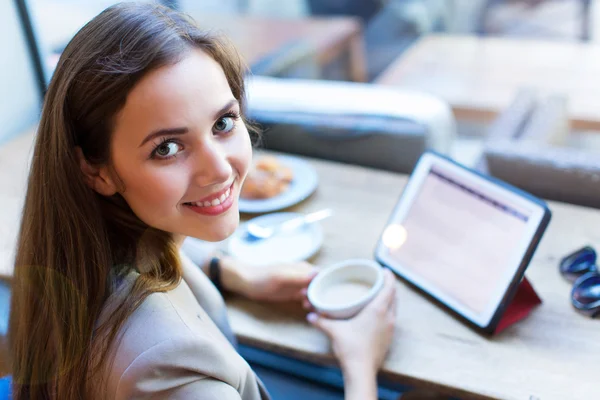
x=149 y=188
x=241 y=154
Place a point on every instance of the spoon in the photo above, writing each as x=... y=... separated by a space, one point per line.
x=256 y=232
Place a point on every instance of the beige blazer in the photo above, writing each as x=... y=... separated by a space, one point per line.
x=175 y=346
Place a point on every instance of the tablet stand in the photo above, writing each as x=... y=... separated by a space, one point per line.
x=521 y=305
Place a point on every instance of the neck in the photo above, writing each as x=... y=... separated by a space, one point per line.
x=178 y=239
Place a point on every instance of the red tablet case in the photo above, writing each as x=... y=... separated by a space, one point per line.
x=521 y=305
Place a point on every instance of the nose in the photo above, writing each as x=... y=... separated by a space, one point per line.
x=212 y=165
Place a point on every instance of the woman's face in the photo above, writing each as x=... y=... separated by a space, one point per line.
x=181 y=150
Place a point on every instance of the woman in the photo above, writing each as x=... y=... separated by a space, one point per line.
x=142 y=143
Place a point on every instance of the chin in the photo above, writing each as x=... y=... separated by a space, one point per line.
x=219 y=230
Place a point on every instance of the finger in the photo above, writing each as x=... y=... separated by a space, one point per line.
x=320 y=322
x=299 y=295
x=305 y=265
x=302 y=267
x=306 y=304
x=393 y=307
x=309 y=273
x=297 y=284
x=385 y=297
x=298 y=277
x=392 y=297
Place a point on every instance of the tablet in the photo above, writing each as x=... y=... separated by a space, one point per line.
x=462 y=237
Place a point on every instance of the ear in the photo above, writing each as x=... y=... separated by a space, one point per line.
x=97 y=178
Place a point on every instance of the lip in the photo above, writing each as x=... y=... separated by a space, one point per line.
x=214 y=210
x=215 y=195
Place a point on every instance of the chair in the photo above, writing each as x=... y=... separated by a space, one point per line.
x=540 y=155
x=5 y=382
x=294 y=60
x=4 y=306
x=355 y=123
x=5 y=388
x=585 y=15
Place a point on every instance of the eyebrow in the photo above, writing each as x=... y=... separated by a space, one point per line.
x=184 y=130
x=164 y=132
x=225 y=108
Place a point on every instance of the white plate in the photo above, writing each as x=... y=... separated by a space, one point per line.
x=304 y=183
x=298 y=245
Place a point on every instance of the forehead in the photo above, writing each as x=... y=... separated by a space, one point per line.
x=189 y=91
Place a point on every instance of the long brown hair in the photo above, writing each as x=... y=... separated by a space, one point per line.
x=74 y=243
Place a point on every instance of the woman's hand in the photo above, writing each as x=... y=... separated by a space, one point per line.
x=275 y=282
x=362 y=342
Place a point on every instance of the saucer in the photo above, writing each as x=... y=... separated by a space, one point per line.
x=294 y=246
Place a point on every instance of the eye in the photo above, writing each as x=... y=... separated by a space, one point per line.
x=225 y=124
x=166 y=149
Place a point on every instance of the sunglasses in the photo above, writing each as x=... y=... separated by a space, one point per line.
x=581 y=269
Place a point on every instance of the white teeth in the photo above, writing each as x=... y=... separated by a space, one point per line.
x=214 y=202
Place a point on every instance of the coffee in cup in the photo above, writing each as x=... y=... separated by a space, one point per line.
x=343 y=289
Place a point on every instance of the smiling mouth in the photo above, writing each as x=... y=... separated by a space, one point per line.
x=214 y=201
x=214 y=205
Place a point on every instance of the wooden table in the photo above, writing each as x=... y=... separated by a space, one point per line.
x=260 y=37
x=553 y=354
x=480 y=76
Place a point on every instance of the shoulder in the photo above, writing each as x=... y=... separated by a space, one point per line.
x=163 y=346
x=179 y=367
x=172 y=320
x=154 y=321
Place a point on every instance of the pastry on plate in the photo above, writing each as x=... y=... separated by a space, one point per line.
x=267 y=178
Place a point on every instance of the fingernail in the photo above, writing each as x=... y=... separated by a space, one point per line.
x=311 y=317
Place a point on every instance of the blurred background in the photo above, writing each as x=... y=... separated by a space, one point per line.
x=389 y=26
x=436 y=47
x=515 y=75
x=511 y=72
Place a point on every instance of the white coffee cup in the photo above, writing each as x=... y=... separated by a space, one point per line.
x=342 y=290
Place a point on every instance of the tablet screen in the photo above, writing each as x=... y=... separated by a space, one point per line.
x=460 y=237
